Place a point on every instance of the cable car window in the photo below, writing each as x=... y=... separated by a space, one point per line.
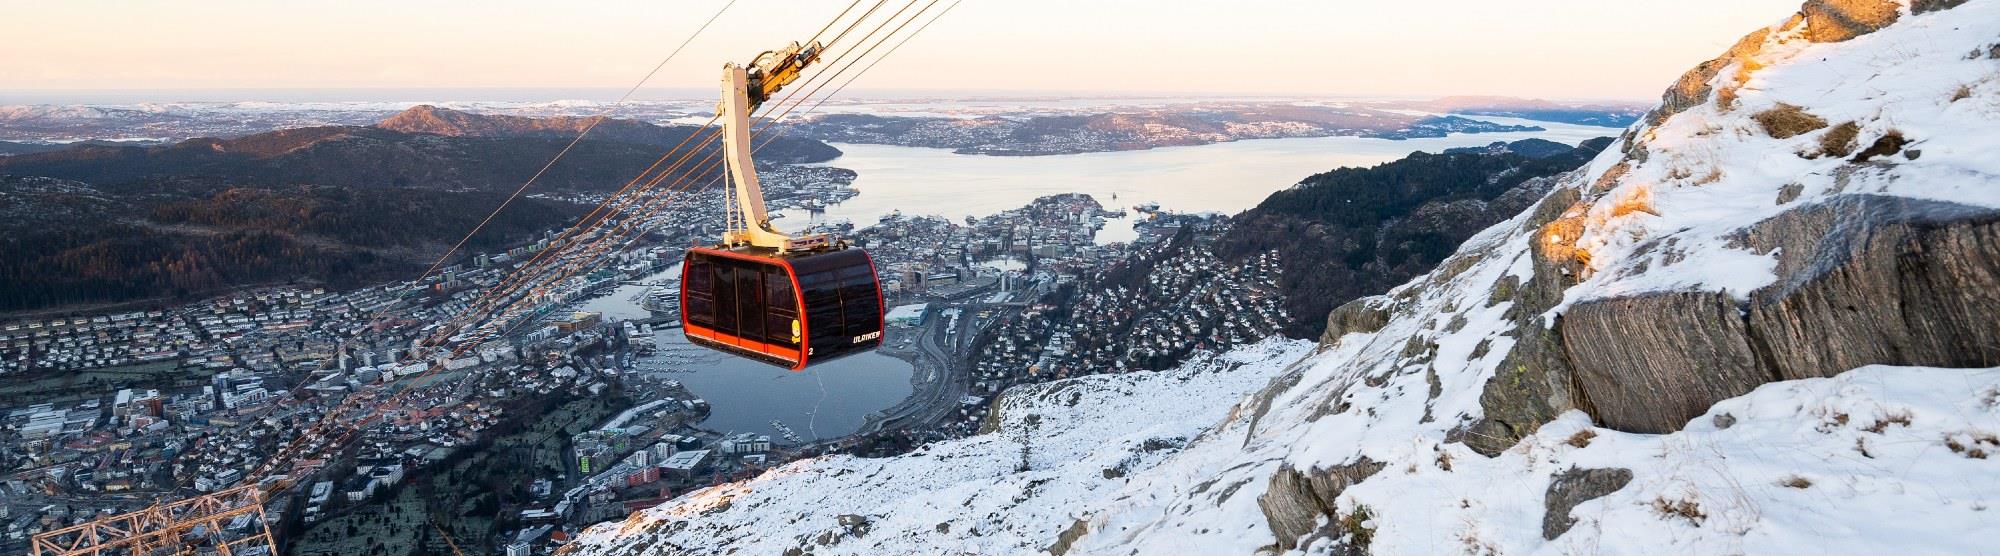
x=700 y=305
x=825 y=317
x=778 y=290
x=749 y=301
x=858 y=300
x=819 y=286
x=698 y=274
x=778 y=329
x=781 y=324
x=725 y=298
x=701 y=310
x=822 y=293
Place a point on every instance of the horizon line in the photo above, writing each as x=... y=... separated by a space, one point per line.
x=697 y=93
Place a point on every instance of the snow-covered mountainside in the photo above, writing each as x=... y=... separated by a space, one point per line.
x=1060 y=445
x=1760 y=323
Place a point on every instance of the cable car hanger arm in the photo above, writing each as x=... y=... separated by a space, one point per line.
x=743 y=90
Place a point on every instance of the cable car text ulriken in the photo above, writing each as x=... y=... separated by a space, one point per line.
x=762 y=294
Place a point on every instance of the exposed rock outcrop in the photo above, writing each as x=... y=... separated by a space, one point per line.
x=1651 y=362
x=1861 y=280
x=1839 y=20
x=1367 y=314
x=1068 y=537
x=1296 y=500
x=1534 y=383
x=1573 y=487
x=1822 y=20
x=1693 y=88
x=1867 y=279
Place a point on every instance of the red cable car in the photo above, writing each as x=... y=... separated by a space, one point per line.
x=761 y=294
x=788 y=310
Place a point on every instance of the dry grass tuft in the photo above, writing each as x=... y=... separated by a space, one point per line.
x=1892 y=419
x=1796 y=481
x=1725 y=97
x=1839 y=141
x=1787 y=121
x=1888 y=144
x=1713 y=175
x=1582 y=438
x=1976 y=447
x=1683 y=508
x=1636 y=199
x=1359 y=527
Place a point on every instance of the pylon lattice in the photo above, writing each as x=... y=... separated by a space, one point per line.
x=197 y=525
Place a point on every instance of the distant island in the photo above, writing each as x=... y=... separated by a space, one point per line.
x=1178 y=125
x=1206 y=122
x=1198 y=122
x=1600 y=114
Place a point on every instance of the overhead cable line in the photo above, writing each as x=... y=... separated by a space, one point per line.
x=615 y=237
x=470 y=318
x=833 y=72
x=651 y=207
x=594 y=120
x=885 y=56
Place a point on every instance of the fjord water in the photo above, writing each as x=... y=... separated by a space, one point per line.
x=829 y=400
x=1221 y=177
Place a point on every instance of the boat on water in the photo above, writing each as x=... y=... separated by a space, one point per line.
x=785 y=431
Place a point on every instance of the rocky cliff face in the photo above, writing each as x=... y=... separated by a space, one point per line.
x=1864 y=256
x=1680 y=347
x=1862 y=279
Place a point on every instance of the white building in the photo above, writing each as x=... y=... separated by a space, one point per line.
x=745 y=443
x=685 y=462
x=906 y=315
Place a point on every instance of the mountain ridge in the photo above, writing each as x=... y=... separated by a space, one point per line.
x=1351 y=232
x=344 y=206
x=485 y=153
x=69 y=245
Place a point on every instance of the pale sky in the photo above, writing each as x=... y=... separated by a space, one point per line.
x=1574 y=49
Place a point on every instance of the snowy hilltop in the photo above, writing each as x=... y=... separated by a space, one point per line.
x=1760 y=322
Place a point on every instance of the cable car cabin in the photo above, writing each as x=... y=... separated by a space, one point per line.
x=790 y=310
